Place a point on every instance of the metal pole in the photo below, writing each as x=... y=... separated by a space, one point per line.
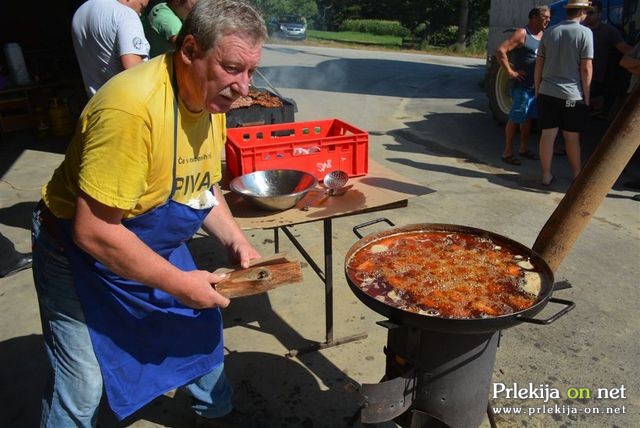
x=592 y=184
x=328 y=279
x=276 y=240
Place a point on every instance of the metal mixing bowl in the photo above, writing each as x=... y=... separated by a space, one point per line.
x=274 y=189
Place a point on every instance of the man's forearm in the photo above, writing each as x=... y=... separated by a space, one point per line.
x=120 y=250
x=632 y=65
x=503 y=60
x=586 y=72
x=502 y=53
x=221 y=224
x=537 y=76
x=130 y=60
x=98 y=230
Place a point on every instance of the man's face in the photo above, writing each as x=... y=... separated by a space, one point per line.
x=222 y=74
x=543 y=19
x=592 y=17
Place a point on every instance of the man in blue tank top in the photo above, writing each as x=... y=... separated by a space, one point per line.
x=517 y=55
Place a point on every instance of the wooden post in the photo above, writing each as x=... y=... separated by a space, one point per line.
x=592 y=184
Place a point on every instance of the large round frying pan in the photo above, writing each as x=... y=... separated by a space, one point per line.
x=456 y=325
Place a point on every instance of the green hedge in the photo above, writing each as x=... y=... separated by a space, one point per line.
x=445 y=37
x=478 y=42
x=375 y=26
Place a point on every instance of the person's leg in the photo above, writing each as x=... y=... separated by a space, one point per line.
x=547 y=140
x=517 y=115
x=74 y=388
x=212 y=394
x=549 y=113
x=530 y=113
x=572 y=144
x=525 y=131
x=573 y=122
x=510 y=130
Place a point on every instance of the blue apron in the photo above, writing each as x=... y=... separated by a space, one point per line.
x=145 y=340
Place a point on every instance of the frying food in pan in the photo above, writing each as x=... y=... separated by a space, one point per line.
x=446 y=274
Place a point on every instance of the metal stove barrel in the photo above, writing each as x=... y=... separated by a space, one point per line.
x=432 y=379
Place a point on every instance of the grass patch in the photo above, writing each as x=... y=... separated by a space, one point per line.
x=355 y=37
x=370 y=42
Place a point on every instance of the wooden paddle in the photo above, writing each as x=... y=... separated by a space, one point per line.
x=262 y=275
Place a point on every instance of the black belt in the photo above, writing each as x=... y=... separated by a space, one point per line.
x=48 y=221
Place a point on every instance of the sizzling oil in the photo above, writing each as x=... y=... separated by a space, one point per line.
x=451 y=275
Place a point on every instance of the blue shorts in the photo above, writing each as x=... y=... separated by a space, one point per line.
x=523 y=104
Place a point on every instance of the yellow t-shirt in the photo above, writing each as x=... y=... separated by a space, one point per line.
x=122 y=152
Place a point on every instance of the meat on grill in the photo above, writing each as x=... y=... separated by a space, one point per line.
x=257 y=97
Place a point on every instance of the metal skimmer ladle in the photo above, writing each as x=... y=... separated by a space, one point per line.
x=333 y=181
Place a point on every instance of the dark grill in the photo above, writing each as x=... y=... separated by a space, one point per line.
x=258 y=115
x=438 y=371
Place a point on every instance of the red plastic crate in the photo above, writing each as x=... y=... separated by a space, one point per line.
x=317 y=147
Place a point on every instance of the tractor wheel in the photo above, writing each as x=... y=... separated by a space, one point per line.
x=497 y=88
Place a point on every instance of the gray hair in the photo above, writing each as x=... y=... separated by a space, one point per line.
x=536 y=11
x=209 y=20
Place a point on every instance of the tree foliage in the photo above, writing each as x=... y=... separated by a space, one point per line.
x=269 y=8
x=421 y=17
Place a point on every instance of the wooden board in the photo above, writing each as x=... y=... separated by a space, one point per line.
x=263 y=275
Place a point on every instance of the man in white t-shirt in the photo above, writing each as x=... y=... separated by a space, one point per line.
x=108 y=38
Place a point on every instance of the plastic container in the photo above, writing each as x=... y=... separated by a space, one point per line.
x=317 y=147
x=60 y=119
x=16 y=63
x=42 y=122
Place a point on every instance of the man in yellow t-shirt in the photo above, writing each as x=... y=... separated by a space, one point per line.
x=122 y=303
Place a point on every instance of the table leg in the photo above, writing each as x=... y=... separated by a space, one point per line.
x=326 y=276
x=328 y=279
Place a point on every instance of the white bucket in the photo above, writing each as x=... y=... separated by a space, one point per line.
x=17 y=66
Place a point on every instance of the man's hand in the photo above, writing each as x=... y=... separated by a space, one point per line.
x=243 y=253
x=199 y=290
x=517 y=74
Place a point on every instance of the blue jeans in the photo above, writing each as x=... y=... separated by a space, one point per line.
x=74 y=387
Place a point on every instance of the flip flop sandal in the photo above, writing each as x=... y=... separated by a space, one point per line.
x=529 y=155
x=512 y=160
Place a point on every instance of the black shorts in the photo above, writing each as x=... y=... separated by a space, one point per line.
x=568 y=115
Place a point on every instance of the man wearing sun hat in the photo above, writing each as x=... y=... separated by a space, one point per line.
x=562 y=80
